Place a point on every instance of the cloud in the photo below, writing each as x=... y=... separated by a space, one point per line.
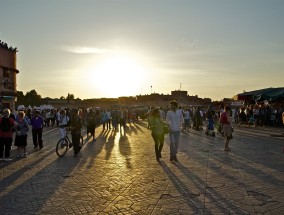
x=84 y=50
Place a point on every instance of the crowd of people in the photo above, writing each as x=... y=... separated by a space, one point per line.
x=219 y=119
x=180 y=119
x=259 y=115
x=18 y=123
x=175 y=118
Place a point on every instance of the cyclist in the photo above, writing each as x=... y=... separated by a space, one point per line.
x=76 y=125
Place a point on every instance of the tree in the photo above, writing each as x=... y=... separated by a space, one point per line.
x=32 y=98
x=70 y=96
x=20 y=98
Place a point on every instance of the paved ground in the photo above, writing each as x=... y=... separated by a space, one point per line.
x=119 y=174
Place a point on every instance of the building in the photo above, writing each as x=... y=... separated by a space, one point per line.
x=153 y=99
x=180 y=96
x=8 y=72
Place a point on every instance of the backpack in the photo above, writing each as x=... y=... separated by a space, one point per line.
x=5 y=124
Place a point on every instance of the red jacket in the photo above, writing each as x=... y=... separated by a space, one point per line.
x=8 y=134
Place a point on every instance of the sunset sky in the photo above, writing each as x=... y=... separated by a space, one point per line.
x=111 y=48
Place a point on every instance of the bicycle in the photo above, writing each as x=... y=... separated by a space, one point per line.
x=65 y=143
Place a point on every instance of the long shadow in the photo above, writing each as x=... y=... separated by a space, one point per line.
x=96 y=146
x=132 y=129
x=265 y=147
x=109 y=145
x=239 y=163
x=125 y=150
x=245 y=158
x=246 y=168
x=189 y=197
x=142 y=123
x=9 y=180
x=204 y=151
x=218 y=200
x=33 y=193
x=138 y=128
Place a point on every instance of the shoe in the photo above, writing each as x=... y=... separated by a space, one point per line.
x=227 y=150
x=40 y=147
x=171 y=158
x=160 y=155
x=35 y=147
x=19 y=155
x=70 y=145
x=25 y=155
x=94 y=140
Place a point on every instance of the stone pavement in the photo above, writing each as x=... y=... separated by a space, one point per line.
x=118 y=174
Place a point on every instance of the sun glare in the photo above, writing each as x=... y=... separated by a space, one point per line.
x=116 y=76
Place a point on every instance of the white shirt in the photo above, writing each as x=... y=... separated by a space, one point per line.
x=108 y=113
x=162 y=114
x=63 y=120
x=174 y=119
x=186 y=114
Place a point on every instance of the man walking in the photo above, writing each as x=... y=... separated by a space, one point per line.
x=37 y=126
x=174 y=119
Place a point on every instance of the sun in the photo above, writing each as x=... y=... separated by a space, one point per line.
x=117 y=75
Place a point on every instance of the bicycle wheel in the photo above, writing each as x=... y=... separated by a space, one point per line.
x=81 y=140
x=62 y=147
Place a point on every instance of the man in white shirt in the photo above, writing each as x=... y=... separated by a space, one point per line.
x=174 y=119
x=63 y=123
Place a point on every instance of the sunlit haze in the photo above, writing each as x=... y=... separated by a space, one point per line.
x=112 y=48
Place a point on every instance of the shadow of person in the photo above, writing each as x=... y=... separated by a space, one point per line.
x=125 y=150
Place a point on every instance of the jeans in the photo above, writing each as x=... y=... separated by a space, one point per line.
x=174 y=142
